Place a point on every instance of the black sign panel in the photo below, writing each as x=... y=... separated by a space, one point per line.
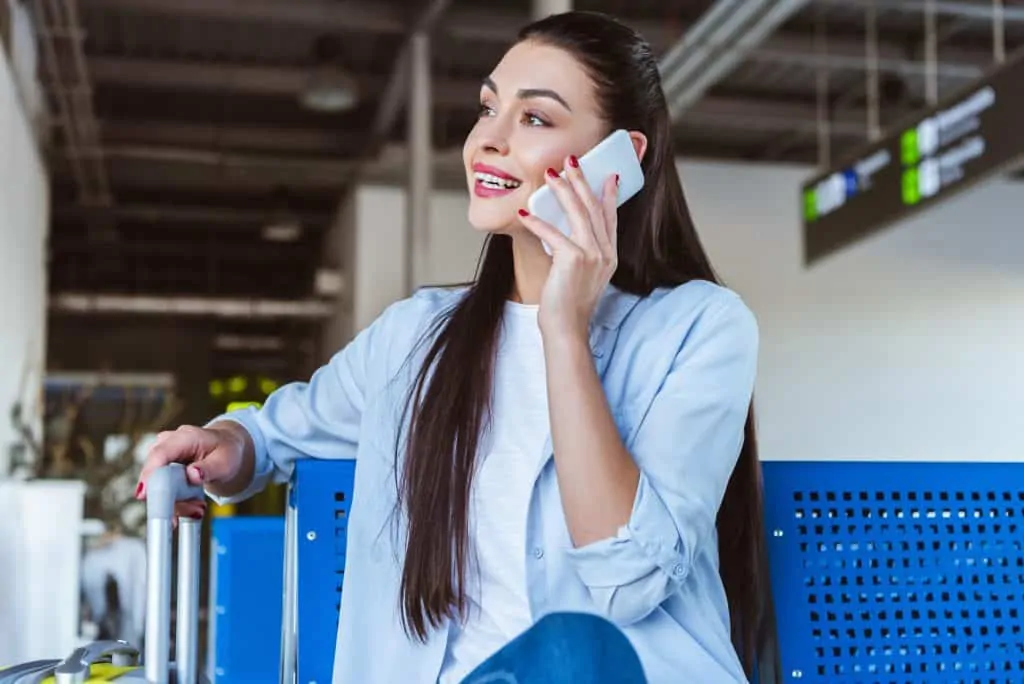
x=939 y=152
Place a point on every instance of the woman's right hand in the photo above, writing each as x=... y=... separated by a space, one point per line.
x=211 y=455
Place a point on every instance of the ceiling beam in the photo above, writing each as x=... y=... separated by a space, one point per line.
x=219 y=252
x=357 y=16
x=290 y=170
x=447 y=93
x=262 y=80
x=217 y=307
x=230 y=136
x=248 y=79
x=326 y=15
x=227 y=218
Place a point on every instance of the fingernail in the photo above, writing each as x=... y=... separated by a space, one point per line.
x=523 y=212
x=198 y=472
x=574 y=162
x=138 y=490
x=196 y=516
x=552 y=173
x=616 y=179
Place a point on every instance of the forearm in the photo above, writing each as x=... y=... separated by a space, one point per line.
x=597 y=477
x=234 y=432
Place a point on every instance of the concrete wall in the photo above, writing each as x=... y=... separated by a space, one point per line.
x=24 y=221
x=907 y=346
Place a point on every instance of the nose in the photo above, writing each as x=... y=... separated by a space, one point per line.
x=494 y=142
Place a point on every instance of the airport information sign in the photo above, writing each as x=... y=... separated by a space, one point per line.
x=963 y=140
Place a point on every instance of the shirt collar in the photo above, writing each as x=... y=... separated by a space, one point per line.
x=613 y=307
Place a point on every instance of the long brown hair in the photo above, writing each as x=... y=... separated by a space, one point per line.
x=448 y=405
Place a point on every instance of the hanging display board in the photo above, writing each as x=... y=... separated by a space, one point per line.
x=965 y=139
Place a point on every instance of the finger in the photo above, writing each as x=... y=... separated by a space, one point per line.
x=194 y=509
x=575 y=211
x=165 y=450
x=184 y=445
x=592 y=206
x=547 y=232
x=610 y=237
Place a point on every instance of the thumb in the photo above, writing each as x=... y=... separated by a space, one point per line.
x=216 y=459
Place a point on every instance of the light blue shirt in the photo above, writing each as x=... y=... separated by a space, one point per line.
x=678 y=369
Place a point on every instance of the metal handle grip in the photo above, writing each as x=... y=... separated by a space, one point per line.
x=75 y=668
x=165 y=487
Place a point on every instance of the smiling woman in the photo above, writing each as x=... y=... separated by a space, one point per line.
x=558 y=478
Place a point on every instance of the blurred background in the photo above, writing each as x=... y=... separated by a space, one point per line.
x=201 y=200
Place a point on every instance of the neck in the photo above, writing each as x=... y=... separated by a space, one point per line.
x=531 y=265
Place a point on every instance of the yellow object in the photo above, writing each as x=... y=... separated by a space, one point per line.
x=98 y=673
x=222 y=510
x=267 y=386
x=235 y=405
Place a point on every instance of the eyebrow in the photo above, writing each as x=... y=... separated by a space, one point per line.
x=530 y=93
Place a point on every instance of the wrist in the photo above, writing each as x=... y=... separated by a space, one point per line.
x=566 y=339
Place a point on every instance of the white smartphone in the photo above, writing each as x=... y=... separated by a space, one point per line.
x=614 y=154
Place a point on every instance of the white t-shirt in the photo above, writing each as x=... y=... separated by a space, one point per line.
x=498 y=607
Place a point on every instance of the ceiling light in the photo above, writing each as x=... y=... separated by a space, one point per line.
x=330 y=87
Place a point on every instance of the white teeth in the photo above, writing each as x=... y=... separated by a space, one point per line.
x=495 y=182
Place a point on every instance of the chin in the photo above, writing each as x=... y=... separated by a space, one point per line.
x=492 y=215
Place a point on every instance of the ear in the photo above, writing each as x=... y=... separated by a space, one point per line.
x=639 y=143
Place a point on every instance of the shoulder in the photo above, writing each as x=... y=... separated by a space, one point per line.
x=407 y=320
x=694 y=313
x=698 y=319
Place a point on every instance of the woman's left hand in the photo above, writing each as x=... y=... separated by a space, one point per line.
x=583 y=263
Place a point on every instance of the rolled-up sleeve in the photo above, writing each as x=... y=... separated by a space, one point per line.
x=319 y=418
x=686 y=447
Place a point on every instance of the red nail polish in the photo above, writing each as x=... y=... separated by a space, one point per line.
x=552 y=173
x=574 y=162
x=523 y=212
x=138 y=489
x=196 y=516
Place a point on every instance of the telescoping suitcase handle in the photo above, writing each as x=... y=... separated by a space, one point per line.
x=165 y=487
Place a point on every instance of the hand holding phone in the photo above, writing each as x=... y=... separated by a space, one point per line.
x=614 y=154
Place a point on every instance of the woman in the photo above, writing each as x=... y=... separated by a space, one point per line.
x=556 y=439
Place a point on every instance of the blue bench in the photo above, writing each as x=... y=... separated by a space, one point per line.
x=897 y=572
x=881 y=572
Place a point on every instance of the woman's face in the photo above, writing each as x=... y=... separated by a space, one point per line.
x=537 y=107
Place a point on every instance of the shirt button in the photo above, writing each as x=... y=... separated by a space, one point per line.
x=678 y=569
x=538 y=553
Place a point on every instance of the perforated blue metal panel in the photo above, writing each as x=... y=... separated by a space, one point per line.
x=246 y=572
x=897 y=573
x=321 y=494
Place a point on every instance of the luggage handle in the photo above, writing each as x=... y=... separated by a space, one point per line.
x=75 y=668
x=166 y=486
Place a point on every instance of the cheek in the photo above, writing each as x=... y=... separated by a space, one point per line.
x=537 y=160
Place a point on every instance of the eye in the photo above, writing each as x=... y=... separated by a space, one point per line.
x=535 y=120
x=484 y=110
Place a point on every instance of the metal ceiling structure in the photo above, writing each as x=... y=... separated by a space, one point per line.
x=179 y=133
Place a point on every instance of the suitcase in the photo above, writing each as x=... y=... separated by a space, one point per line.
x=118 y=661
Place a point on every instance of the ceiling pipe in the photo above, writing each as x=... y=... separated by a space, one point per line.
x=725 y=36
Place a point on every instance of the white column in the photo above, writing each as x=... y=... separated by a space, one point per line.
x=24 y=223
x=420 y=182
x=544 y=8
